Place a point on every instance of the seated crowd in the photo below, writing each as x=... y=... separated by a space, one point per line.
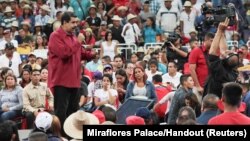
x=193 y=78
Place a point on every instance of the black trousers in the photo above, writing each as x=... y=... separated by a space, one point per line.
x=66 y=102
x=30 y=117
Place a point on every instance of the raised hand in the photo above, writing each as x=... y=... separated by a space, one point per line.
x=223 y=25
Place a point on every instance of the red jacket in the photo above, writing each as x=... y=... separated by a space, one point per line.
x=65 y=54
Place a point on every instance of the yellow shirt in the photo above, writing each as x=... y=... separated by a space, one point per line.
x=24 y=50
x=34 y=97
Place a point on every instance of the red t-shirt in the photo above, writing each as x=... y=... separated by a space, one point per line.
x=121 y=2
x=197 y=57
x=230 y=118
x=248 y=56
x=161 y=92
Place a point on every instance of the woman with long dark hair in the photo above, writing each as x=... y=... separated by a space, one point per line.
x=56 y=6
x=121 y=83
x=109 y=47
x=25 y=76
x=140 y=87
x=106 y=95
x=150 y=31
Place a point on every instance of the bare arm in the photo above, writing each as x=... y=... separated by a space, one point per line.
x=181 y=25
x=116 y=48
x=99 y=103
x=192 y=68
x=111 y=98
x=223 y=44
x=101 y=51
x=218 y=36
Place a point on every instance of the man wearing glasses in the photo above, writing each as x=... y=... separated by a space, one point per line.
x=10 y=58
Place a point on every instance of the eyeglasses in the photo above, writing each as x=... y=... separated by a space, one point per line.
x=10 y=63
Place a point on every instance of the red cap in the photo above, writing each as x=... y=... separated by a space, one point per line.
x=241 y=109
x=135 y=120
x=100 y=115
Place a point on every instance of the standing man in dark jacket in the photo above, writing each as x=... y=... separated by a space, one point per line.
x=65 y=54
x=222 y=66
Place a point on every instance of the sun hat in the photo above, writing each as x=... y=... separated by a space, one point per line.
x=73 y=125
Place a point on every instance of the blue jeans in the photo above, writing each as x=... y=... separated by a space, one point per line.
x=9 y=115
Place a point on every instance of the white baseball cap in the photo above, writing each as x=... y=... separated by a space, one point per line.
x=43 y=121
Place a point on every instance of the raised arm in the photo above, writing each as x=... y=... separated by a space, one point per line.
x=217 y=39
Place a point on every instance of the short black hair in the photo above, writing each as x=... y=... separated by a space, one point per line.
x=107 y=58
x=153 y=61
x=192 y=40
x=6 y=131
x=157 y=78
x=66 y=17
x=209 y=35
x=184 y=78
x=118 y=56
x=232 y=93
x=109 y=113
x=58 y=12
x=35 y=70
x=175 y=64
x=154 y=53
x=109 y=77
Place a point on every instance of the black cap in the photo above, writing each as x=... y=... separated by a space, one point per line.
x=146 y=2
x=9 y=45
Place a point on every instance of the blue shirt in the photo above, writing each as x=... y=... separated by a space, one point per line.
x=150 y=34
x=92 y=66
x=149 y=87
x=206 y=116
x=81 y=13
x=162 y=68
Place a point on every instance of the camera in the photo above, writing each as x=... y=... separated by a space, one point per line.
x=219 y=14
x=172 y=38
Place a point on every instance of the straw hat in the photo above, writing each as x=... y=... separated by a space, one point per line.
x=38 y=24
x=130 y=16
x=122 y=8
x=26 y=6
x=8 y=9
x=88 y=30
x=193 y=31
x=25 y=1
x=14 y=24
x=116 y=18
x=26 y=23
x=45 y=8
x=187 y=4
x=74 y=123
x=92 y=6
x=70 y=9
x=141 y=49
